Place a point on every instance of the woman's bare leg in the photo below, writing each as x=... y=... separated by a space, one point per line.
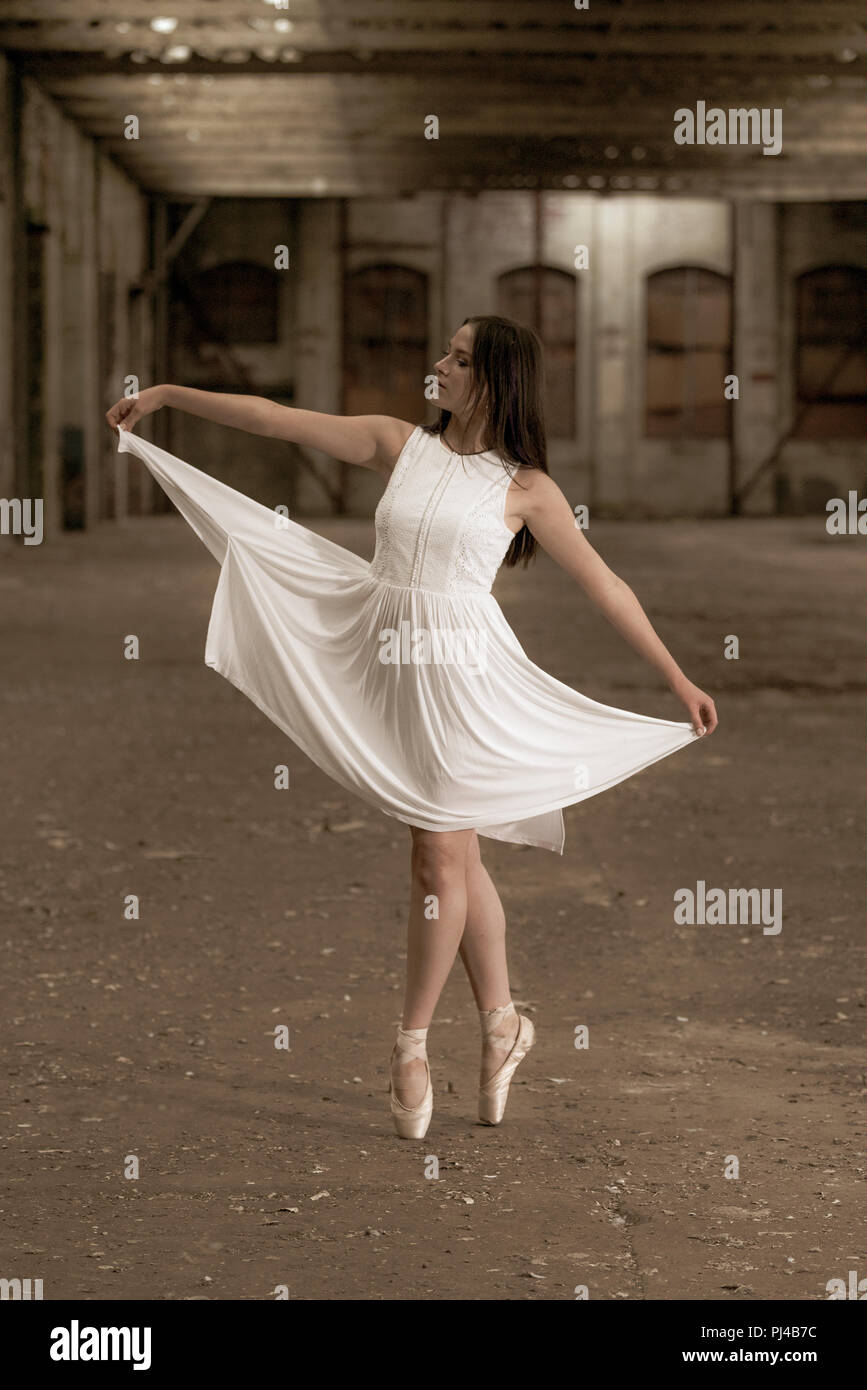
x=437 y=916
x=483 y=952
x=483 y=944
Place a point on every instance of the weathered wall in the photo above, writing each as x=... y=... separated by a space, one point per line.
x=812 y=235
x=124 y=335
x=7 y=286
x=93 y=223
x=239 y=230
x=318 y=324
x=465 y=242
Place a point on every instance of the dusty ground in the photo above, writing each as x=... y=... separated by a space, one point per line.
x=260 y=1167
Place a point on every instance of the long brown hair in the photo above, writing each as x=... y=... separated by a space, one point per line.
x=506 y=359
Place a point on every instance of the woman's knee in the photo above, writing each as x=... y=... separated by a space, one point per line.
x=440 y=858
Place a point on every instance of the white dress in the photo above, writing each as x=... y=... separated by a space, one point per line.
x=401 y=678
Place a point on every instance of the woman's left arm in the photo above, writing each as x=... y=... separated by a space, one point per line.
x=550 y=519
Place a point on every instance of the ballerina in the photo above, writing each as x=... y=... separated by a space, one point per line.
x=401 y=678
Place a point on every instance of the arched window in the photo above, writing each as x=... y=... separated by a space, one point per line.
x=543 y=298
x=831 y=352
x=386 y=349
x=236 y=302
x=688 y=354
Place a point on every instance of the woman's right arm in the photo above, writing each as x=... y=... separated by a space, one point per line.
x=372 y=441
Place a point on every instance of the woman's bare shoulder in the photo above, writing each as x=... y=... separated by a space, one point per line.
x=534 y=482
x=531 y=493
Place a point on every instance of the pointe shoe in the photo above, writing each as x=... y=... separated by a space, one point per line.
x=495 y=1091
x=411 y=1122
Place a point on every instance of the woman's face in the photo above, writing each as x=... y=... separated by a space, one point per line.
x=454 y=372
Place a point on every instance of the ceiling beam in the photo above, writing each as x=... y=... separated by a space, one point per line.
x=508 y=13
x=698 y=70
x=819 y=45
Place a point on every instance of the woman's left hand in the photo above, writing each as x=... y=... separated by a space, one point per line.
x=702 y=710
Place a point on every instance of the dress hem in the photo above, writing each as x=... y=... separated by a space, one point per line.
x=482 y=828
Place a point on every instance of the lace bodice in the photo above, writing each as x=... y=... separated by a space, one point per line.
x=439 y=523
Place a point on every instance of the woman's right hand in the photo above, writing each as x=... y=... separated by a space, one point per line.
x=129 y=409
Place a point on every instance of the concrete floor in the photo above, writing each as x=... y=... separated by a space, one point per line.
x=261 y=1167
